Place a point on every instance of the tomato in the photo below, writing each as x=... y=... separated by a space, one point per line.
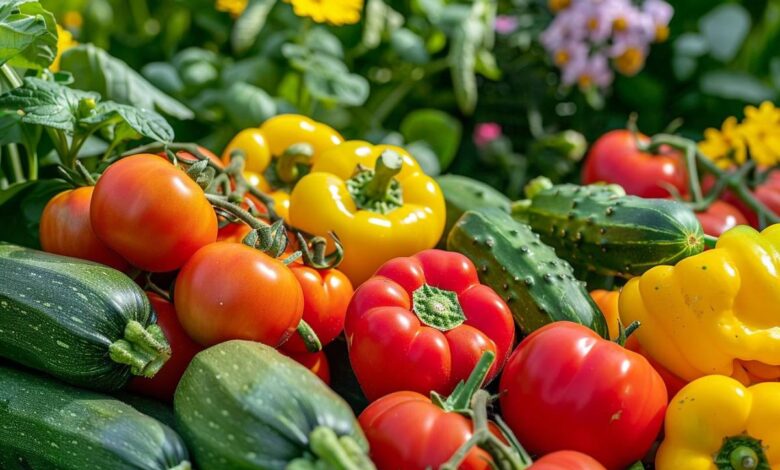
x=234 y=232
x=326 y=295
x=768 y=192
x=422 y=323
x=720 y=217
x=565 y=388
x=286 y=130
x=615 y=158
x=673 y=383
x=315 y=362
x=66 y=229
x=405 y=430
x=257 y=154
x=566 y=460
x=231 y=291
x=183 y=349
x=151 y=213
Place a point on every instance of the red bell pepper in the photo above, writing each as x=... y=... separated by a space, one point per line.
x=565 y=388
x=422 y=323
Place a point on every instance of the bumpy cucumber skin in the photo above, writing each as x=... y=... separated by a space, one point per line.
x=538 y=287
x=595 y=228
x=45 y=424
x=59 y=315
x=462 y=194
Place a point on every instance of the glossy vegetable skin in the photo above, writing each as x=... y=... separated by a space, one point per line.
x=66 y=229
x=79 y=321
x=326 y=295
x=713 y=313
x=231 y=291
x=45 y=424
x=183 y=349
x=720 y=217
x=151 y=213
x=565 y=388
x=566 y=460
x=315 y=362
x=422 y=323
x=716 y=423
x=265 y=419
x=615 y=158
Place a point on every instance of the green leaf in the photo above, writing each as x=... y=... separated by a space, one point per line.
x=28 y=34
x=425 y=156
x=725 y=28
x=321 y=40
x=10 y=130
x=736 y=85
x=123 y=118
x=248 y=106
x=249 y=24
x=94 y=69
x=486 y=65
x=691 y=45
x=409 y=46
x=21 y=206
x=48 y=104
x=774 y=69
x=438 y=129
x=164 y=76
x=329 y=80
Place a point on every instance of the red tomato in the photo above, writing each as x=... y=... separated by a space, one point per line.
x=231 y=291
x=326 y=295
x=66 y=229
x=188 y=157
x=391 y=345
x=615 y=158
x=183 y=349
x=406 y=431
x=315 y=362
x=151 y=213
x=720 y=217
x=768 y=192
x=673 y=383
x=565 y=388
x=566 y=460
x=234 y=232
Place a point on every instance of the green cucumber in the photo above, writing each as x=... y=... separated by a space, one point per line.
x=243 y=405
x=462 y=194
x=45 y=424
x=79 y=321
x=538 y=287
x=601 y=229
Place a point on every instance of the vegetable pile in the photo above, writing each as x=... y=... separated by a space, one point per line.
x=303 y=301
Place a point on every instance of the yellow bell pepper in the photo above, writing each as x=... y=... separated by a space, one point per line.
x=380 y=208
x=713 y=313
x=716 y=423
x=287 y=140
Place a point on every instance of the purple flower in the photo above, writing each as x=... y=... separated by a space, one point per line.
x=660 y=13
x=486 y=133
x=565 y=28
x=589 y=72
x=572 y=51
x=506 y=24
x=595 y=17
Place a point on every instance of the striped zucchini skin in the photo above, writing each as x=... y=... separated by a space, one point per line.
x=242 y=405
x=599 y=229
x=462 y=194
x=60 y=315
x=48 y=425
x=538 y=287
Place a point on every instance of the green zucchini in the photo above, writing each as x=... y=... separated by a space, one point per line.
x=538 y=287
x=243 y=405
x=601 y=229
x=79 y=321
x=48 y=425
x=462 y=193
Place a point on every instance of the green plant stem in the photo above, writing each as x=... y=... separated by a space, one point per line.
x=309 y=337
x=16 y=164
x=10 y=75
x=232 y=209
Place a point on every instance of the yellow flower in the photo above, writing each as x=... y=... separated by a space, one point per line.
x=762 y=131
x=72 y=19
x=335 y=12
x=725 y=146
x=558 y=5
x=234 y=7
x=64 y=42
x=630 y=61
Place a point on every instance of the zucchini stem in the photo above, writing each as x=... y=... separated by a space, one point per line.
x=145 y=350
x=340 y=453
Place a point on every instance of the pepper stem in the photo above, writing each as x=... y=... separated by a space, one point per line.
x=145 y=350
x=287 y=164
x=309 y=337
x=741 y=452
x=460 y=398
x=388 y=165
x=437 y=308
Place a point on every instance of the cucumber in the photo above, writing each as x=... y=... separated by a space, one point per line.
x=462 y=193
x=45 y=424
x=79 y=321
x=538 y=287
x=243 y=405
x=601 y=229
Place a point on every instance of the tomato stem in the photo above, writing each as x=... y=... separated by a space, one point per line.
x=315 y=256
x=145 y=350
x=309 y=337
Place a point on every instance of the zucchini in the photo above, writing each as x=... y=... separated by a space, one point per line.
x=601 y=229
x=462 y=193
x=45 y=424
x=82 y=322
x=538 y=287
x=243 y=405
